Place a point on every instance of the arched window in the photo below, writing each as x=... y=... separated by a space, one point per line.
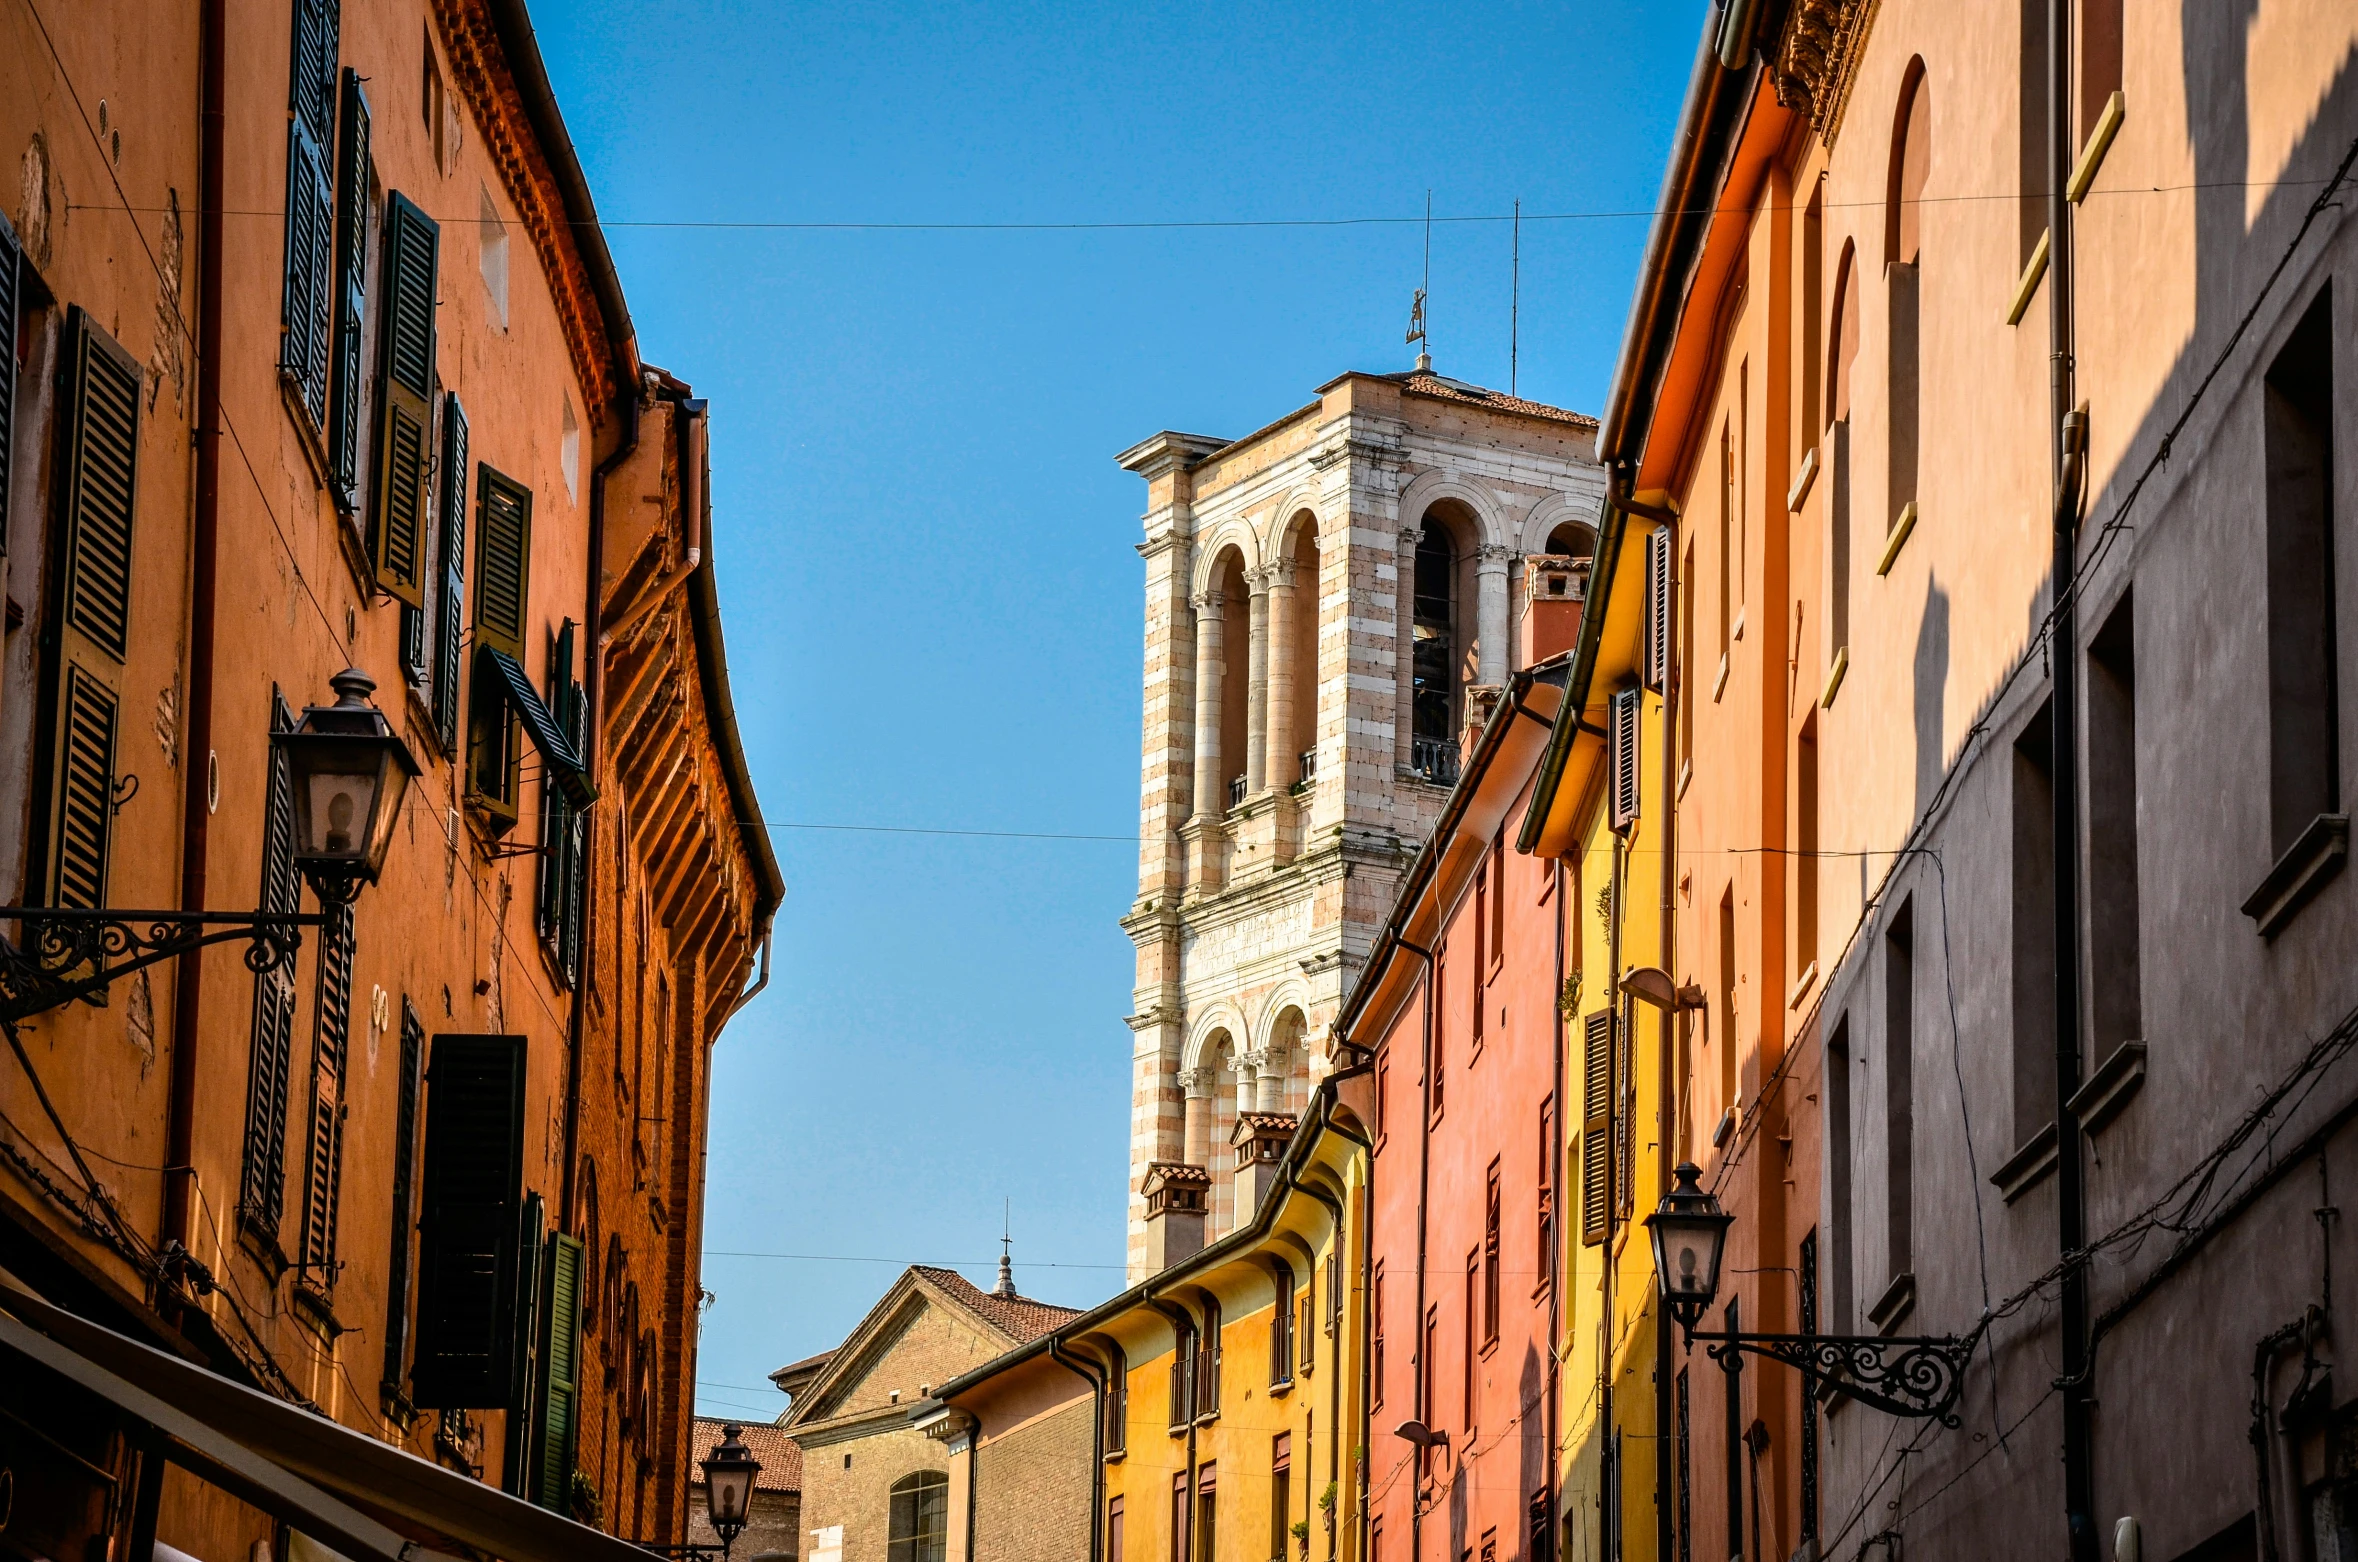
x=589 y=1244
x=1903 y=248
x=1842 y=351
x=1302 y=742
x=1435 y=656
x=920 y=1518
x=1572 y=541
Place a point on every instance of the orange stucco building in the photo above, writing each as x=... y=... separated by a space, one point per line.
x=318 y=361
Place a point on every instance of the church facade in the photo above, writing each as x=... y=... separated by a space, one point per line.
x=1330 y=603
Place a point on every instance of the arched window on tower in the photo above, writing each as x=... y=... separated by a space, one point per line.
x=1302 y=742
x=1435 y=655
x=1236 y=644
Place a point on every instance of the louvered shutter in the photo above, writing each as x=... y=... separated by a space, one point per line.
x=1625 y=1107
x=561 y=823
x=560 y=1355
x=262 y=1189
x=403 y=502
x=324 y=1161
x=1596 y=1160
x=468 y=1228
x=90 y=625
x=311 y=91
x=451 y=622
x=1622 y=760
x=503 y=561
x=1657 y=646
x=11 y=306
x=405 y=1212
x=351 y=293
x=522 y=1453
x=305 y=310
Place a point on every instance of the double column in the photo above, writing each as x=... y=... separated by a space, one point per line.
x=1490 y=614
x=1268 y=693
x=1211 y=666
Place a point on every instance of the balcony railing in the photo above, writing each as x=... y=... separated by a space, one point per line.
x=1307 y=761
x=1236 y=792
x=1434 y=760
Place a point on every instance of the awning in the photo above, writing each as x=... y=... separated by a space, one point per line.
x=369 y=1500
x=556 y=750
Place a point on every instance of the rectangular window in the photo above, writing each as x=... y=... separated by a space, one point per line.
x=1805 y=841
x=1182 y=1379
x=1685 y=1435
x=1726 y=1038
x=1813 y=299
x=503 y=581
x=1207 y=1525
x=1838 y=1172
x=405 y=1205
x=491 y=236
x=1904 y=364
x=469 y=1226
x=306 y=309
x=1117 y=1401
x=1498 y=901
x=2030 y=136
x=1207 y=1363
x=1727 y=540
x=15 y=316
x=1596 y=1131
x=1490 y=1217
x=2034 y=926
x=2113 y=958
x=270 y=1054
x=564 y=828
x=350 y=301
x=2099 y=38
x=401 y=491
x=1899 y=1084
x=2303 y=725
x=1544 y=1261
x=1686 y=656
x=1281 y=1470
x=1115 y=1548
x=1654 y=664
x=1334 y=1286
x=1307 y=1334
x=1179 y=1496
x=1472 y=1323
x=1733 y=1440
x=559 y=1390
x=1281 y=1327
x=1376 y=1335
x=1437 y=1066
x=1383 y=1090
x=1622 y=756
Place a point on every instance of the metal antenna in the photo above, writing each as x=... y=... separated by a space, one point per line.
x=1515 y=305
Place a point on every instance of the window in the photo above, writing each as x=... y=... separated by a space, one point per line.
x=405 y=1211
x=1432 y=622
x=468 y=1231
x=306 y=312
x=1281 y=1466
x=1490 y=1214
x=430 y=99
x=323 y=1172
x=1179 y=1495
x=1911 y=156
x=1544 y=1261
x=1305 y=1329
x=1842 y=354
x=1281 y=1326
x=920 y=1518
x=1805 y=840
x=2099 y=35
x=1116 y=1432
x=1482 y=957
x=2030 y=136
x=1498 y=901
x=564 y=829
x=1654 y=670
x=1813 y=298
x=401 y=485
x=350 y=301
x=1383 y=1089
x=1334 y=1285
x=2034 y=926
x=1728 y=586
x=1182 y=1378
x=451 y=558
x=1838 y=1173
x=1622 y=756
x=492 y=255
x=558 y=1389
x=1686 y=654
x=1899 y=1101
x=2113 y=969
x=1207 y=1362
x=2304 y=741
x=1376 y=1339
x=569 y=453
x=1115 y=1548
x=1437 y=1065
x=1727 y=999
x=1207 y=1528
x=1596 y=1161
x=1472 y=1322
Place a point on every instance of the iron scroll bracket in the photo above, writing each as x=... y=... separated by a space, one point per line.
x=62 y=954
x=1917 y=1377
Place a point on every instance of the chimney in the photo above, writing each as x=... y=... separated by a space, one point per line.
x=1176 y=1197
x=1260 y=1140
x=1555 y=586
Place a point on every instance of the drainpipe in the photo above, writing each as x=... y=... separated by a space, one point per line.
x=196 y=745
x=1424 y=1183
x=2070 y=467
x=1183 y=1325
x=1334 y=1385
x=1609 y=1537
x=1096 y=1382
x=1664 y=1456
x=592 y=687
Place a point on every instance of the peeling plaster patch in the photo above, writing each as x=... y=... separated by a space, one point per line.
x=33 y=202
x=168 y=722
x=139 y=1021
x=170 y=360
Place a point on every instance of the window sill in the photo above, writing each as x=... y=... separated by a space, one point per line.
x=421 y=717
x=1891 y=1309
x=1798 y=494
x=1281 y=1388
x=1489 y=1348
x=1116 y=1457
x=1719 y=684
x=1801 y=986
x=2117 y=1079
x=316 y=1308
x=1725 y=1130
x=262 y=1247
x=2027 y=1167
x=1834 y=676
x=1901 y=529
x=1208 y=1418
x=2312 y=859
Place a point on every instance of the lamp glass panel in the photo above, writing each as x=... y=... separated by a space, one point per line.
x=343 y=803
x=1689 y=1258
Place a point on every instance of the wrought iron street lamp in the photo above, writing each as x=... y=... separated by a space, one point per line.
x=350 y=771
x=729 y=1471
x=1917 y=1377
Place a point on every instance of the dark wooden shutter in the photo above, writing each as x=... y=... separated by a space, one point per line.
x=262 y=1182
x=11 y=308
x=351 y=293
x=324 y=1161
x=405 y=1207
x=306 y=307
x=503 y=562
x=562 y=826
x=468 y=1228
x=560 y=1359
x=311 y=91
x=522 y=1451
x=90 y=626
x=451 y=620
x=1657 y=646
x=1596 y=1160
x=403 y=498
x=1622 y=738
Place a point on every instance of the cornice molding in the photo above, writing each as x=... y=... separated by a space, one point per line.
x=1818 y=59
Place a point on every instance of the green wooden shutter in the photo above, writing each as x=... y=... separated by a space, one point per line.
x=1596 y=1160
x=560 y=1369
x=11 y=306
x=503 y=565
x=351 y=293
x=405 y=1212
x=403 y=500
x=89 y=627
x=451 y=620
x=305 y=309
x=522 y=1443
x=324 y=1162
x=469 y=1225
x=262 y=1181
x=311 y=89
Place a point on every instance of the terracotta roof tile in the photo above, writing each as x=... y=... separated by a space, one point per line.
x=1018 y=1316
x=1420 y=384
x=780 y=1456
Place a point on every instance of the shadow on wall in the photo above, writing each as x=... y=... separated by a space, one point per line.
x=1932 y=684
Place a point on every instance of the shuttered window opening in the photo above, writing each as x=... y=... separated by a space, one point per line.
x=89 y=627
x=468 y=1225
x=405 y=1214
x=564 y=829
x=449 y=619
x=560 y=1370
x=1625 y=1107
x=305 y=313
x=262 y=1183
x=1596 y=1160
x=351 y=293
x=503 y=565
x=402 y=504
x=1657 y=646
x=522 y=1452
x=331 y=1023
x=11 y=313
x=1622 y=759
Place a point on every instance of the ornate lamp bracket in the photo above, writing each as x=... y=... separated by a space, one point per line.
x=1917 y=1377
x=60 y=955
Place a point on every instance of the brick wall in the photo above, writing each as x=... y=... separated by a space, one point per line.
x=1031 y=1507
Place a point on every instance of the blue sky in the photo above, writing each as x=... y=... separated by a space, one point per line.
x=925 y=548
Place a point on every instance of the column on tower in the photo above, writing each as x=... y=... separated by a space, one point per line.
x=1257 y=682
x=1197 y=1139
x=1210 y=667
x=1490 y=613
x=1284 y=762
